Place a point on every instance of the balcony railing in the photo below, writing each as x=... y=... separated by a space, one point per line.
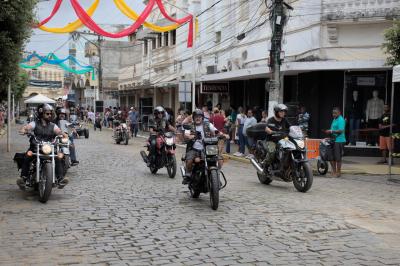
x=359 y=9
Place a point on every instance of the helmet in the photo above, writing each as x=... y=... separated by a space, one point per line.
x=61 y=111
x=42 y=108
x=197 y=112
x=158 y=110
x=280 y=107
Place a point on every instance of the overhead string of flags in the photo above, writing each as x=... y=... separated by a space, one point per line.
x=84 y=19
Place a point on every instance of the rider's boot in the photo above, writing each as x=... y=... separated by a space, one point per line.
x=187 y=178
x=21 y=183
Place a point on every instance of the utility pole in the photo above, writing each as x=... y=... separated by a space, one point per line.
x=9 y=116
x=277 y=22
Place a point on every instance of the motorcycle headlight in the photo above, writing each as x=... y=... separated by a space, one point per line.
x=300 y=143
x=64 y=140
x=46 y=149
x=169 y=141
x=212 y=150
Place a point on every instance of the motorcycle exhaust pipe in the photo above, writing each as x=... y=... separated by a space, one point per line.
x=183 y=171
x=257 y=166
x=144 y=156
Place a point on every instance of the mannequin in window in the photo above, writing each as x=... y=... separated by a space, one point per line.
x=373 y=113
x=355 y=113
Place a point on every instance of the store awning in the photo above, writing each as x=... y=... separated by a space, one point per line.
x=39 y=99
x=290 y=68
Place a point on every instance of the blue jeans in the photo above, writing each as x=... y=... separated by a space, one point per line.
x=72 y=150
x=354 y=126
x=242 y=140
x=134 y=129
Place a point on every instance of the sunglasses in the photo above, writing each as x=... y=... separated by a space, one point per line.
x=48 y=113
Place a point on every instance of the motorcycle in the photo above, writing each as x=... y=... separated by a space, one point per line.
x=164 y=155
x=325 y=155
x=42 y=176
x=206 y=172
x=121 y=133
x=80 y=129
x=62 y=147
x=285 y=161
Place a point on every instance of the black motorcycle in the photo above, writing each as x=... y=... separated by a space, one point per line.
x=206 y=172
x=121 y=133
x=285 y=161
x=164 y=154
x=42 y=175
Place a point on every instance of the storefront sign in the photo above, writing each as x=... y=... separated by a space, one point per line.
x=89 y=93
x=366 y=81
x=45 y=83
x=215 y=88
x=185 y=91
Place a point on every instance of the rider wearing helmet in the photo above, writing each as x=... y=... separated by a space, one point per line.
x=200 y=130
x=119 y=119
x=278 y=123
x=63 y=124
x=159 y=124
x=43 y=129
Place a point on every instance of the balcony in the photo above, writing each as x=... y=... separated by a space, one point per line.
x=333 y=10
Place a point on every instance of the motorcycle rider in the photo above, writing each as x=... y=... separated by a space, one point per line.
x=43 y=129
x=160 y=123
x=278 y=123
x=195 y=146
x=63 y=123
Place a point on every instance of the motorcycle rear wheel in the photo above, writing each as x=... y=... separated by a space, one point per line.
x=322 y=167
x=264 y=179
x=45 y=182
x=214 y=189
x=171 y=167
x=304 y=182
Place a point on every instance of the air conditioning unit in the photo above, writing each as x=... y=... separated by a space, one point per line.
x=212 y=69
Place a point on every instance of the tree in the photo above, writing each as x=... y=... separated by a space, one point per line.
x=16 y=19
x=392 y=44
x=19 y=85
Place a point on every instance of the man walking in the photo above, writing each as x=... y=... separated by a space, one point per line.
x=337 y=131
x=133 y=118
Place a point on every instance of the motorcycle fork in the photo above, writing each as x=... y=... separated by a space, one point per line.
x=38 y=163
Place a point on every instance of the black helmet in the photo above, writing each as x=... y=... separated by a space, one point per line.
x=280 y=107
x=197 y=112
x=159 y=110
x=42 y=108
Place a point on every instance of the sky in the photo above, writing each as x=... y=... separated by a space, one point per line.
x=44 y=42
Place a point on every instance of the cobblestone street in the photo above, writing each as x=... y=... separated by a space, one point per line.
x=115 y=212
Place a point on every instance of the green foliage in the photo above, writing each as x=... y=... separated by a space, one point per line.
x=18 y=87
x=16 y=19
x=392 y=44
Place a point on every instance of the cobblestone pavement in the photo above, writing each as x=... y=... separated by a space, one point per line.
x=115 y=212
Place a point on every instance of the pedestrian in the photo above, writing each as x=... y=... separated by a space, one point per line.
x=134 y=119
x=337 y=132
x=264 y=116
x=249 y=122
x=303 y=119
x=206 y=113
x=219 y=121
x=385 y=140
x=240 y=123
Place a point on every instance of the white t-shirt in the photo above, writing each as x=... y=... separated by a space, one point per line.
x=198 y=144
x=241 y=117
x=248 y=122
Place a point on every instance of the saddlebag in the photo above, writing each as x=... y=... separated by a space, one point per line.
x=19 y=159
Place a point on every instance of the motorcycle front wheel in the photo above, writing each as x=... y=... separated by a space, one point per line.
x=303 y=181
x=214 y=189
x=126 y=138
x=171 y=167
x=45 y=182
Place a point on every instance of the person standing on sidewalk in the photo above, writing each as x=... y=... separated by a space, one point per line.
x=240 y=124
x=249 y=122
x=385 y=140
x=337 y=131
x=133 y=118
x=218 y=121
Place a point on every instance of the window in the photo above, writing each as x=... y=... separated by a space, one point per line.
x=165 y=38
x=159 y=40
x=173 y=36
x=145 y=47
x=134 y=68
x=216 y=59
x=175 y=65
x=153 y=43
x=218 y=37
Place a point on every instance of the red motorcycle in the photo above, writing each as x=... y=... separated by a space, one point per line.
x=161 y=147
